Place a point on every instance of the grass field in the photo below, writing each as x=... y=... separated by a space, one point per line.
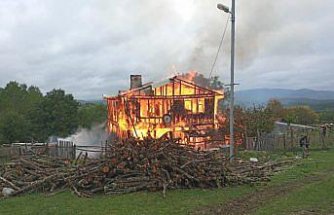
x=315 y=193
x=307 y=186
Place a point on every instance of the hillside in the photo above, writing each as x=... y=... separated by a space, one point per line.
x=318 y=100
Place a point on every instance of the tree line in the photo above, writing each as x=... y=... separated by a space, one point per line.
x=258 y=120
x=27 y=115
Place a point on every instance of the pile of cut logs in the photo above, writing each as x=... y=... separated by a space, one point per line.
x=152 y=165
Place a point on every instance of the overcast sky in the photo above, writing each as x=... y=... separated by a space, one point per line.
x=90 y=47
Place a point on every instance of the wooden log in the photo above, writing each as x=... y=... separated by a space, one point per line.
x=10 y=183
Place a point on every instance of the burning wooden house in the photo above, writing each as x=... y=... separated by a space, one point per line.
x=175 y=108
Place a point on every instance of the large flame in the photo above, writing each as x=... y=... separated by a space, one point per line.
x=141 y=114
x=189 y=76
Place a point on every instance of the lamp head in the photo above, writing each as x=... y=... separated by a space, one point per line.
x=223 y=8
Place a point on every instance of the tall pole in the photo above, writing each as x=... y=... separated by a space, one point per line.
x=232 y=82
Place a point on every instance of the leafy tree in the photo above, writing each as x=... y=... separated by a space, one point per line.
x=215 y=83
x=34 y=96
x=17 y=101
x=2 y=138
x=276 y=109
x=240 y=118
x=259 y=120
x=57 y=115
x=200 y=79
x=301 y=115
x=25 y=115
x=13 y=97
x=18 y=98
x=326 y=116
x=90 y=114
x=13 y=127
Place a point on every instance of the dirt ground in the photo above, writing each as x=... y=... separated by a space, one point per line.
x=249 y=203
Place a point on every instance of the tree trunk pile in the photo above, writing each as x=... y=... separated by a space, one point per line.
x=137 y=165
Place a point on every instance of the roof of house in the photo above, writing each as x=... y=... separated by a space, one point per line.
x=162 y=83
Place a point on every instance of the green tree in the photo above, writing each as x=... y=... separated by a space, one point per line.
x=276 y=109
x=326 y=116
x=90 y=114
x=25 y=115
x=301 y=115
x=13 y=97
x=215 y=83
x=34 y=96
x=14 y=127
x=17 y=101
x=259 y=120
x=57 y=115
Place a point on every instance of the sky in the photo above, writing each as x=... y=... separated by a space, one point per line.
x=90 y=47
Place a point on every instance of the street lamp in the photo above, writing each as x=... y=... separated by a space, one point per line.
x=232 y=12
x=223 y=8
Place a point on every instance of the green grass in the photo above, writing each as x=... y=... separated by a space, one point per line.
x=317 y=195
x=320 y=193
x=176 y=202
x=318 y=161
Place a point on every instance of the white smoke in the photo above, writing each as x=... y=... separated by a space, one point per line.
x=90 y=140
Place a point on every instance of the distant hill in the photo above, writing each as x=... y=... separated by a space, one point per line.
x=318 y=100
x=316 y=104
x=91 y=102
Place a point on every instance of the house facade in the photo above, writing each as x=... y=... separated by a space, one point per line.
x=175 y=108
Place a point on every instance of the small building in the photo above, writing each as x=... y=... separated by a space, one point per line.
x=175 y=108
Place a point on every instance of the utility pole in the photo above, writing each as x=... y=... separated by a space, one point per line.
x=232 y=82
x=232 y=12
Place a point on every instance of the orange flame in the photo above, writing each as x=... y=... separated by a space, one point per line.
x=189 y=76
x=141 y=113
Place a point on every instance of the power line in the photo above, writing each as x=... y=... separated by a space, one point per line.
x=220 y=45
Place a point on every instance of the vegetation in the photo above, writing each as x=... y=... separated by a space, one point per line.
x=259 y=120
x=26 y=115
x=323 y=108
x=90 y=114
x=176 y=202
x=301 y=115
x=17 y=103
x=320 y=105
x=55 y=115
x=326 y=117
x=276 y=109
x=314 y=194
x=200 y=79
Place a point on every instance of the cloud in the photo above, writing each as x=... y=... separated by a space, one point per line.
x=90 y=48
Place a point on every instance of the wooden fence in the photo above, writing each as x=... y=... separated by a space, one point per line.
x=288 y=141
x=60 y=149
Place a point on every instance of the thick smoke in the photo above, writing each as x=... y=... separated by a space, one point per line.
x=251 y=30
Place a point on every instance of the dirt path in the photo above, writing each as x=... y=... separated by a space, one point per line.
x=249 y=203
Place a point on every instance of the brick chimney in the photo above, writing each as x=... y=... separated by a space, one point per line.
x=135 y=81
